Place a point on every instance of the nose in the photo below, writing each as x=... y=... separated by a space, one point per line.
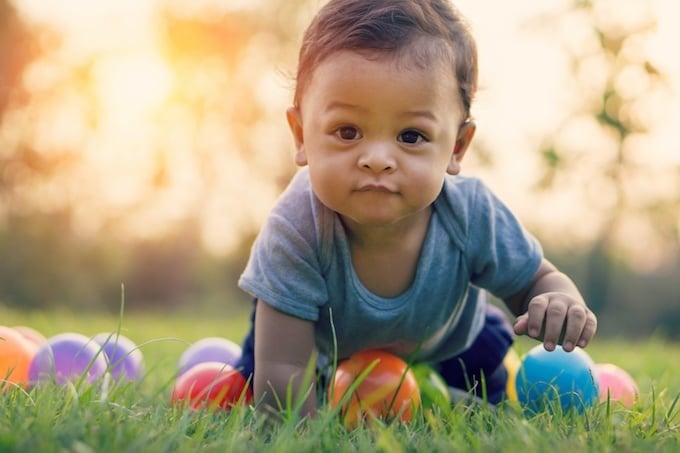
x=378 y=158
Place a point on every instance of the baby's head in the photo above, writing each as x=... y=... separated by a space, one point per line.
x=427 y=31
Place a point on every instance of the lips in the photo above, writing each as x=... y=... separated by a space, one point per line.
x=375 y=188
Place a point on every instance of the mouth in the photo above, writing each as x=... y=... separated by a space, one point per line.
x=375 y=188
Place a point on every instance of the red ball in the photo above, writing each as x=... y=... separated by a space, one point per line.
x=211 y=385
x=388 y=391
x=616 y=384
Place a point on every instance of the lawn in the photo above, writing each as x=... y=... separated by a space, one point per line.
x=138 y=417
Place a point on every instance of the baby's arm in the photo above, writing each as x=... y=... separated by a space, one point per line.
x=551 y=308
x=284 y=345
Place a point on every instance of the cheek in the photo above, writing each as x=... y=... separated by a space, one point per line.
x=325 y=179
x=328 y=160
x=429 y=173
x=428 y=182
x=327 y=189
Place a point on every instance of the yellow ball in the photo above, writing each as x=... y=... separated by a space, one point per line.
x=512 y=362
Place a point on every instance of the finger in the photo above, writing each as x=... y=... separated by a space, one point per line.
x=521 y=324
x=555 y=315
x=588 y=330
x=536 y=315
x=576 y=321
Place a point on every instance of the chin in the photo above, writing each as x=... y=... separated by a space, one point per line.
x=373 y=219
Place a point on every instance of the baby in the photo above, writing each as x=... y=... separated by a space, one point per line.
x=378 y=241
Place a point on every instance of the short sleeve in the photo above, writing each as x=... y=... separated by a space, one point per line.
x=502 y=255
x=284 y=269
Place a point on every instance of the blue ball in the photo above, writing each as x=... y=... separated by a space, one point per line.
x=547 y=380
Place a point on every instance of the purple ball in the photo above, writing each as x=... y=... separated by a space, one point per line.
x=124 y=357
x=211 y=349
x=67 y=357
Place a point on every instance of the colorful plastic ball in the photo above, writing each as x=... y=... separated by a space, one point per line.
x=211 y=385
x=616 y=384
x=388 y=391
x=16 y=353
x=434 y=393
x=124 y=357
x=31 y=335
x=68 y=357
x=550 y=379
x=512 y=363
x=211 y=349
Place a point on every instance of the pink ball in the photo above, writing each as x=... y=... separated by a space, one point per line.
x=31 y=335
x=616 y=384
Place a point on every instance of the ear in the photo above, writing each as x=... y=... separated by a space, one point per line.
x=294 y=117
x=463 y=140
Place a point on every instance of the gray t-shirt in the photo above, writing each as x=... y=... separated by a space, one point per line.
x=301 y=265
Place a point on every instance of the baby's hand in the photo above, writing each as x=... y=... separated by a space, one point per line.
x=557 y=318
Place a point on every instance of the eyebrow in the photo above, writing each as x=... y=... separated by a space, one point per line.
x=338 y=105
x=422 y=113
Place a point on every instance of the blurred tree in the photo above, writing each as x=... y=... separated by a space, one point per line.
x=64 y=242
x=17 y=49
x=234 y=51
x=43 y=265
x=24 y=169
x=636 y=198
x=209 y=150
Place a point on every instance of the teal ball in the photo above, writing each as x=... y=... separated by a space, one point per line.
x=548 y=380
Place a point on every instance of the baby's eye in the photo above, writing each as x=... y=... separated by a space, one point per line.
x=348 y=133
x=411 y=137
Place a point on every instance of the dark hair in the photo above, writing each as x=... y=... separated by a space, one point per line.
x=424 y=29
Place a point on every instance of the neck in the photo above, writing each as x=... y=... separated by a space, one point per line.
x=385 y=258
x=370 y=236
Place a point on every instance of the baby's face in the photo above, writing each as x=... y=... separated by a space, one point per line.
x=378 y=135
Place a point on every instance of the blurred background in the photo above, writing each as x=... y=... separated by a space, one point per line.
x=142 y=143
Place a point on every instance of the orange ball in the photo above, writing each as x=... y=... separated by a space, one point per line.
x=388 y=391
x=16 y=353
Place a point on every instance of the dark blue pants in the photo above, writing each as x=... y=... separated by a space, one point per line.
x=483 y=358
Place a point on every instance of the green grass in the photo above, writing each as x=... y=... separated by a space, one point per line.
x=138 y=417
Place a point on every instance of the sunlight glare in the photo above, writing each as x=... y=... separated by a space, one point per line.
x=90 y=27
x=131 y=87
x=166 y=130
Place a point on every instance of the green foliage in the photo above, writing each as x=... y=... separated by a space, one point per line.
x=618 y=194
x=635 y=304
x=139 y=417
x=45 y=265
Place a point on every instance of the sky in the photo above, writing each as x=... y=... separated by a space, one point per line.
x=527 y=91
